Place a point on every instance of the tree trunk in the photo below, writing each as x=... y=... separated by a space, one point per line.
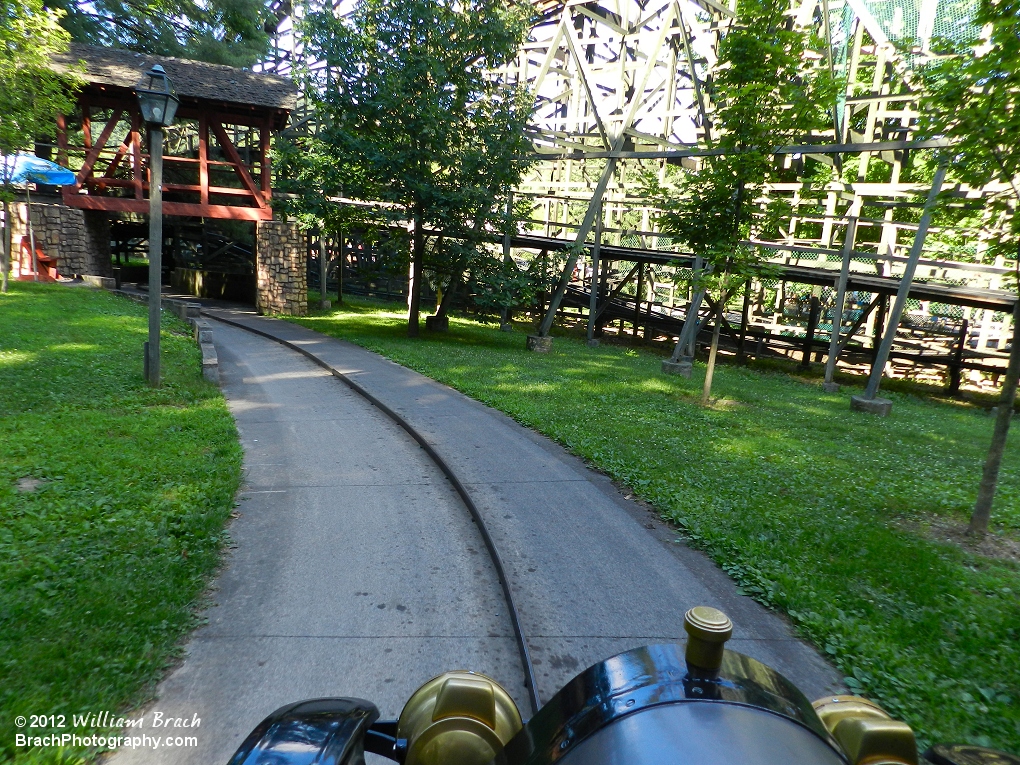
x=436 y=248
x=459 y=269
x=340 y=267
x=706 y=391
x=451 y=289
x=990 y=475
x=8 y=231
x=689 y=331
x=741 y=350
x=417 y=256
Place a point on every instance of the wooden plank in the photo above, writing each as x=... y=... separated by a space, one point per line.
x=835 y=148
x=239 y=167
x=266 y=168
x=203 y=158
x=93 y=155
x=136 y=154
x=187 y=209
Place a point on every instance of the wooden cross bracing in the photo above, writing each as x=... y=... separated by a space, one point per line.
x=622 y=88
x=605 y=70
x=216 y=163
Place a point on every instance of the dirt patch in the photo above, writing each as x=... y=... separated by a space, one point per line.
x=727 y=404
x=27 y=485
x=999 y=546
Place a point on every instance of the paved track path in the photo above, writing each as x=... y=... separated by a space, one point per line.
x=356 y=570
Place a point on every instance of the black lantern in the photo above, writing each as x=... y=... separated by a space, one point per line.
x=156 y=98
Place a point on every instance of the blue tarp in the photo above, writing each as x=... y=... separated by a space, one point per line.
x=23 y=168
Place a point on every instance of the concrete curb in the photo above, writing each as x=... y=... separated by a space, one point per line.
x=191 y=312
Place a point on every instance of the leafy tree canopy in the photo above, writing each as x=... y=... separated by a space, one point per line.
x=972 y=96
x=30 y=92
x=233 y=32
x=412 y=116
x=767 y=92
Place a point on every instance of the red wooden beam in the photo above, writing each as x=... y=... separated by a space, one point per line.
x=239 y=166
x=62 y=140
x=120 y=183
x=253 y=116
x=93 y=155
x=203 y=158
x=222 y=190
x=264 y=150
x=187 y=209
x=194 y=161
x=136 y=153
x=131 y=150
x=86 y=126
x=119 y=156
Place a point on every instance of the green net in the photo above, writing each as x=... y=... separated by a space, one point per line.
x=906 y=23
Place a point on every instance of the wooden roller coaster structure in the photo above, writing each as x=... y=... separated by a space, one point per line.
x=620 y=89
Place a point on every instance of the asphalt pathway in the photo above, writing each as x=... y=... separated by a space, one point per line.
x=356 y=570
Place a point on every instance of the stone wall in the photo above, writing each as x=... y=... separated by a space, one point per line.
x=281 y=270
x=79 y=239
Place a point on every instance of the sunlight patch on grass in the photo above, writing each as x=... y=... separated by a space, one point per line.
x=12 y=358
x=65 y=347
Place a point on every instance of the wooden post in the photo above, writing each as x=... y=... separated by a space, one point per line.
x=809 y=337
x=880 y=312
x=341 y=261
x=323 y=265
x=637 y=297
x=543 y=295
x=203 y=157
x=954 y=367
x=504 y=314
x=689 y=333
x=837 y=310
x=593 y=298
x=741 y=354
x=604 y=268
x=889 y=335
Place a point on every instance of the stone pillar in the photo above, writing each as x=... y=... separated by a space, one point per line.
x=78 y=239
x=280 y=268
x=96 y=236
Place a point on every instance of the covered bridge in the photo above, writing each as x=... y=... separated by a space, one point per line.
x=217 y=183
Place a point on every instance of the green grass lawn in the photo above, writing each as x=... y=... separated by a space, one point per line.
x=102 y=563
x=824 y=514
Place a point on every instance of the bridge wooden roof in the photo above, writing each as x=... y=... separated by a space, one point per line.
x=109 y=68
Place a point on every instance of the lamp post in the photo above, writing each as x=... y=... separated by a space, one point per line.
x=158 y=104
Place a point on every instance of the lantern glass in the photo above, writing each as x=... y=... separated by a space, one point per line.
x=156 y=98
